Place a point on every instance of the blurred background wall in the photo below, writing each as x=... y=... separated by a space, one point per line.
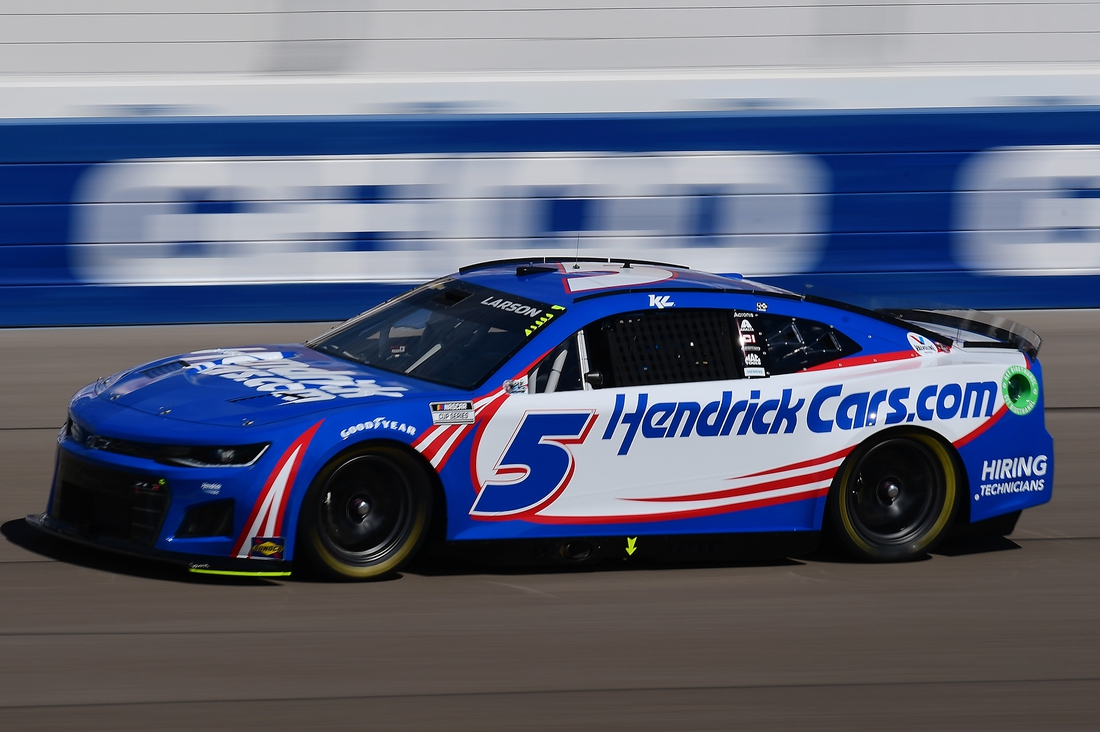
x=251 y=160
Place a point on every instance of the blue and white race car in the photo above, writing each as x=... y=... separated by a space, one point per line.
x=578 y=410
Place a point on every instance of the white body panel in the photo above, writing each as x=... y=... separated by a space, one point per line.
x=788 y=450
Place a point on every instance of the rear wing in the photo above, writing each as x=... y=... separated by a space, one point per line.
x=973 y=328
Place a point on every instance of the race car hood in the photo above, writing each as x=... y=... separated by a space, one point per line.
x=252 y=385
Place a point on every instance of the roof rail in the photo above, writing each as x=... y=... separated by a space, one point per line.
x=564 y=259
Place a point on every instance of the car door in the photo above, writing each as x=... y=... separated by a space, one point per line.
x=614 y=424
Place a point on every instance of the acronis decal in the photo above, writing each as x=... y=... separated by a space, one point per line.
x=829 y=408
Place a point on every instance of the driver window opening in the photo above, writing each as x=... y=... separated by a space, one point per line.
x=559 y=370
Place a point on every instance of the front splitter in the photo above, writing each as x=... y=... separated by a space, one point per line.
x=194 y=563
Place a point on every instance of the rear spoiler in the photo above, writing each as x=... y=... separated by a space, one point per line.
x=985 y=330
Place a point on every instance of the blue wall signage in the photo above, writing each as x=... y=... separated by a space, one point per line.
x=113 y=221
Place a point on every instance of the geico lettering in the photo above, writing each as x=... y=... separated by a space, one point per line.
x=1019 y=467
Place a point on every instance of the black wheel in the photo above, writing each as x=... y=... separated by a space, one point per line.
x=365 y=514
x=894 y=498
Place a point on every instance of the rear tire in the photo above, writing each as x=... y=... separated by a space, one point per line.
x=365 y=514
x=895 y=497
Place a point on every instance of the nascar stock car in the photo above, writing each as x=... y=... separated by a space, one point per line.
x=581 y=409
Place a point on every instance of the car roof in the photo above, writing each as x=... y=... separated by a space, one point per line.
x=554 y=280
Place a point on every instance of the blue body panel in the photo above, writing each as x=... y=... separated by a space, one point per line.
x=890 y=228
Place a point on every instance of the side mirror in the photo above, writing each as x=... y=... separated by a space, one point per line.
x=595 y=378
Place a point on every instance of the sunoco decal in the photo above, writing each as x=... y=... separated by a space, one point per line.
x=267 y=547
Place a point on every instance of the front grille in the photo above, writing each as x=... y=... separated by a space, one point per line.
x=104 y=503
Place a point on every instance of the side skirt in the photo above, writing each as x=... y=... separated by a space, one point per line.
x=689 y=549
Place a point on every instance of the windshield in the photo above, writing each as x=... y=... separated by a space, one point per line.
x=450 y=332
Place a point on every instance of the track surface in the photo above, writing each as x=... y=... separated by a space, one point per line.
x=989 y=635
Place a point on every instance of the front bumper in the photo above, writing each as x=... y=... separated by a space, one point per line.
x=195 y=563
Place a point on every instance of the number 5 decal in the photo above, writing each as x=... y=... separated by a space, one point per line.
x=536 y=465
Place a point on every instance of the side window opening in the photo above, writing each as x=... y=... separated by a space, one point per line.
x=796 y=344
x=662 y=347
x=559 y=370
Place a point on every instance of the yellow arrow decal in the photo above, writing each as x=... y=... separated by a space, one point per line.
x=630 y=548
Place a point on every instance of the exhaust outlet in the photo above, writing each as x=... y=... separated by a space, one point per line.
x=575 y=551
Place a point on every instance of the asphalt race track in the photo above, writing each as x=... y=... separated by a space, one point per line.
x=991 y=634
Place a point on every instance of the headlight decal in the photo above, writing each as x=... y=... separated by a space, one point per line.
x=265 y=523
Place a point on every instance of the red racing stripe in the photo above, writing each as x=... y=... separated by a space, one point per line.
x=979 y=431
x=798 y=466
x=864 y=360
x=805 y=479
x=296 y=451
x=695 y=513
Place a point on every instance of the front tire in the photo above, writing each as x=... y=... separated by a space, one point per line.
x=894 y=498
x=365 y=514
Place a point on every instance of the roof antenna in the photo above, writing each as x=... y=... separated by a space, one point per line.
x=577 y=257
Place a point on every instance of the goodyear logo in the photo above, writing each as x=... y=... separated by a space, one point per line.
x=267 y=547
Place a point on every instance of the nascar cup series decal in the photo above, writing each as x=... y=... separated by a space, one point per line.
x=691 y=450
x=452 y=412
x=288 y=380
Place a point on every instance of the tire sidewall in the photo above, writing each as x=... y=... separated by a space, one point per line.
x=321 y=559
x=844 y=524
